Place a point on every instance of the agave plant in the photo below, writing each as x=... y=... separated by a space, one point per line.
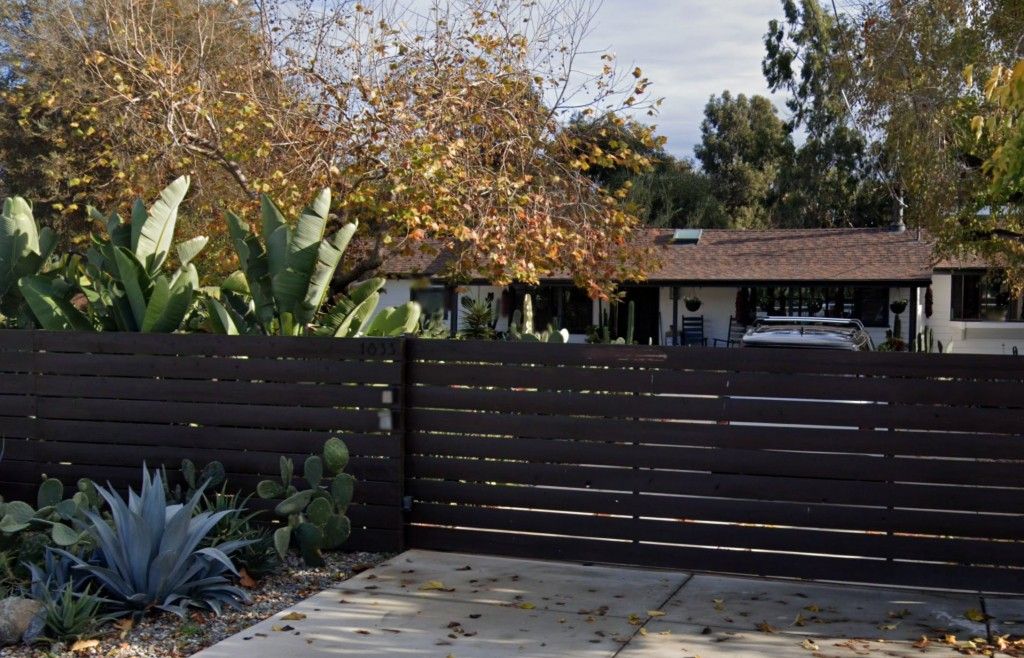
x=24 y=251
x=69 y=615
x=285 y=279
x=125 y=286
x=151 y=556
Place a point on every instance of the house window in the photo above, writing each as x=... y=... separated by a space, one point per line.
x=872 y=305
x=562 y=307
x=984 y=296
x=430 y=299
x=869 y=304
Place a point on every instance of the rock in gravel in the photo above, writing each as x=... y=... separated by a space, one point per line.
x=16 y=614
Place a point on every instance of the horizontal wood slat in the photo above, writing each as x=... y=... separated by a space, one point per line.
x=944 y=392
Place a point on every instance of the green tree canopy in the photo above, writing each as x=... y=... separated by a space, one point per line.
x=744 y=148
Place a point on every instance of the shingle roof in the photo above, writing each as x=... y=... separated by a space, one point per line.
x=775 y=255
x=840 y=255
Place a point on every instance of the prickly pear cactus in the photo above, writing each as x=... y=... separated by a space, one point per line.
x=316 y=515
x=55 y=515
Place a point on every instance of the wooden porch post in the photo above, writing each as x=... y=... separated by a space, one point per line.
x=912 y=326
x=675 y=315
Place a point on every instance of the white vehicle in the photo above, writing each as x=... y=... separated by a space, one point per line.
x=810 y=333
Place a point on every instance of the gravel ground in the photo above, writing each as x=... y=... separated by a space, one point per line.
x=168 y=636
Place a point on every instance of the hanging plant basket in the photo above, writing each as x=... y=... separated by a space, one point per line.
x=898 y=306
x=692 y=304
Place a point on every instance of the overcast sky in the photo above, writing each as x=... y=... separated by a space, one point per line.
x=690 y=49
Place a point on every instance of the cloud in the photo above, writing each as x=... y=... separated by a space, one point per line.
x=690 y=49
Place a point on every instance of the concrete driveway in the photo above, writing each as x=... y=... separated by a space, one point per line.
x=423 y=603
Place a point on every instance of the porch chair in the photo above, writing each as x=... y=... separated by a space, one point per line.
x=693 y=331
x=736 y=331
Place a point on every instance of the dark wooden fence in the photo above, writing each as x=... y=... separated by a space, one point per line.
x=98 y=405
x=900 y=469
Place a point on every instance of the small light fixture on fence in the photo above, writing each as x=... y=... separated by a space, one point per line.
x=384 y=420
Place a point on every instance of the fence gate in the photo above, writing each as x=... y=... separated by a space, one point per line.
x=900 y=469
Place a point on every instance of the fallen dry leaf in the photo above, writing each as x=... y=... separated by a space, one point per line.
x=809 y=645
x=765 y=627
x=124 y=625
x=293 y=616
x=975 y=615
x=525 y=605
x=435 y=585
x=84 y=645
x=922 y=643
x=655 y=613
x=245 y=580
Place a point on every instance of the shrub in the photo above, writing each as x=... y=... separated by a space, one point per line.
x=151 y=556
x=258 y=557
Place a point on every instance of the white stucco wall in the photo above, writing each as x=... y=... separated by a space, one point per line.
x=396 y=292
x=717 y=306
x=972 y=337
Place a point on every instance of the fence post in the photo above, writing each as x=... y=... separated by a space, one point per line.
x=405 y=353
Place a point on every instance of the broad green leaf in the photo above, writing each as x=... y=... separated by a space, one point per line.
x=328 y=257
x=277 y=250
x=395 y=321
x=189 y=249
x=236 y=282
x=51 y=311
x=18 y=240
x=151 y=242
x=220 y=320
x=272 y=216
x=168 y=305
x=336 y=315
x=253 y=260
x=349 y=327
x=291 y=285
x=130 y=272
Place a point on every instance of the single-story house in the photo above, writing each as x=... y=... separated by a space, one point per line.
x=843 y=272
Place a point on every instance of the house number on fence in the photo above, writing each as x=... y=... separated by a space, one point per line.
x=378 y=348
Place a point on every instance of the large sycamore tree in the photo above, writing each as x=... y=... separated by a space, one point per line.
x=438 y=129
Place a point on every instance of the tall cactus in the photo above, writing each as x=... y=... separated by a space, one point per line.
x=603 y=333
x=925 y=341
x=521 y=327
